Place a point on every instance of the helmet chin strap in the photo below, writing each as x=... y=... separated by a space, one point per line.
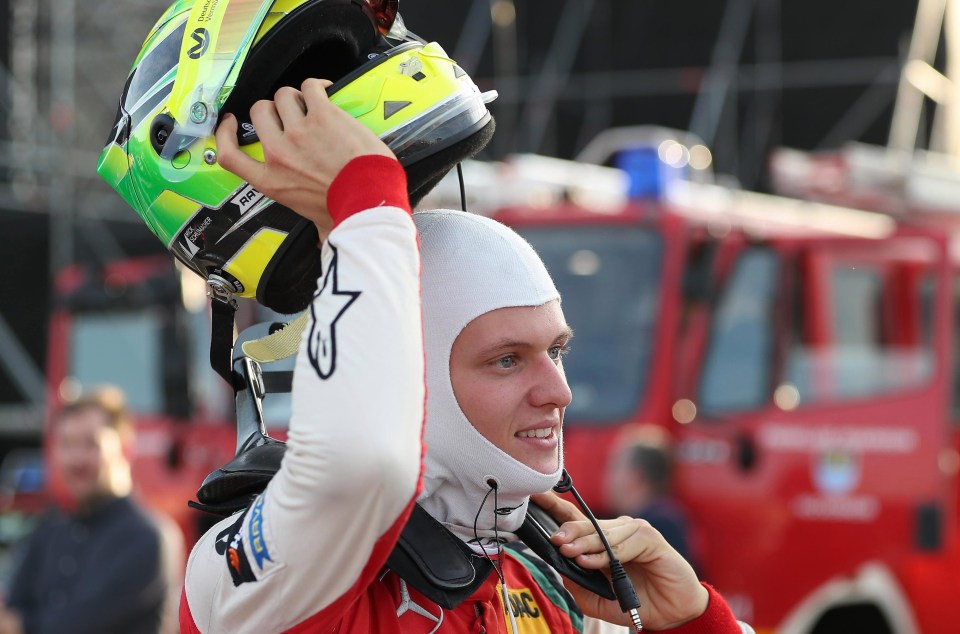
x=223 y=308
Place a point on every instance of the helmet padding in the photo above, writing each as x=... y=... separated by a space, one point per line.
x=326 y=40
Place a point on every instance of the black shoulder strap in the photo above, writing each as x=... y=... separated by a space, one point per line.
x=535 y=533
x=437 y=563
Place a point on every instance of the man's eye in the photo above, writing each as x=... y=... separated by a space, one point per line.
x=506 y=362
x=558 y=352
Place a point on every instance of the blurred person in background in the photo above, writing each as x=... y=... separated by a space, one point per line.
x=640 y=484
x=98 y=563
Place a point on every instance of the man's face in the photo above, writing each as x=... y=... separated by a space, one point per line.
x=86 y=451
x=508 y=378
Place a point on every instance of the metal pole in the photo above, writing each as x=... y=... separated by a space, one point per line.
x=608 y=85
x=61 y=114
x=552 y=77
x=865 y=110
x=503 y=17
x=723 y=70
x=759 y=130
x=20 y=367
x=473 y=36
x=909 y=104
x=23 y=99
x=947 y=129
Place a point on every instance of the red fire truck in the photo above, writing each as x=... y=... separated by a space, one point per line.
x=800 y=353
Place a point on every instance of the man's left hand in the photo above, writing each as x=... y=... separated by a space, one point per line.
x=670 y=593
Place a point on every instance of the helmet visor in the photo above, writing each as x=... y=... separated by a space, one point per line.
x=217 y=40
x=447 y=123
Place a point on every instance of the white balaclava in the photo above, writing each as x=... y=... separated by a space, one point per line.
x=472 y=265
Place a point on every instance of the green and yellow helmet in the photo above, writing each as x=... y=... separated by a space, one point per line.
x=205 y=58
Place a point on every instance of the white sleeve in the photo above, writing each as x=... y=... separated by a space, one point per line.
x=596 y=626
x=329 y=518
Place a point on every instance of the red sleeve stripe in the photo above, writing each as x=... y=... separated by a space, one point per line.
x=718 y=619
x=187 y=625
x=366 y=182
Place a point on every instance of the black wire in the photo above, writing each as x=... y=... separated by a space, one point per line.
x=463 y=194
x=622 y=586
x=476 y=534
x=496 y=527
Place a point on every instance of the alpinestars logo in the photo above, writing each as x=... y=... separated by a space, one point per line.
x=328 y=306
x=229 y=545
x=202 y=38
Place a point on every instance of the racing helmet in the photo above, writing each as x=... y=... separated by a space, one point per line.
x=205 y=58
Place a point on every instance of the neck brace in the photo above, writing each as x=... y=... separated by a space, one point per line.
x=472 y=265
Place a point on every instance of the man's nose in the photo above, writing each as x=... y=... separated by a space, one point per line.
x=551 y=386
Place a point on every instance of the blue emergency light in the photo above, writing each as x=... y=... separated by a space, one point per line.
x=648 y=174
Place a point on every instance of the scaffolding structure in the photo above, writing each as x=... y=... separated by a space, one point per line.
x=69 y=60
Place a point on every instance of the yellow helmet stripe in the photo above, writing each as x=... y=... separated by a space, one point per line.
x=251 y=259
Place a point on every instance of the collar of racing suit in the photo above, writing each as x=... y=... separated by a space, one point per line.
x=445 y=570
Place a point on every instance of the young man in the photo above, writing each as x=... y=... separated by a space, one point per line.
x=460 y=410
x=98 y=565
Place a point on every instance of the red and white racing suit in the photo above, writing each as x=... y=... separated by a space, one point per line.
x=309 y=554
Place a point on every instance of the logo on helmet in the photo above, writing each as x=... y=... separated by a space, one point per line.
x=202 y=38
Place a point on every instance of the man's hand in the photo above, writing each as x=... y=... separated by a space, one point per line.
x=670 y=593
x=306 y=141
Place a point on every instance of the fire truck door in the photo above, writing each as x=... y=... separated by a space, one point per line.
x=821 y=410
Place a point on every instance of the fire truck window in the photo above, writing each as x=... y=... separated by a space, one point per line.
x=121 y=349
x=609 y=278
x=737 y=369
x=857 y=359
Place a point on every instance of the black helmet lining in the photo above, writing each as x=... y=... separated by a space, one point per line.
x=322 y=38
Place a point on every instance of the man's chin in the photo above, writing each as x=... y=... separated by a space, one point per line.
x=545 y=465
x=544 y=459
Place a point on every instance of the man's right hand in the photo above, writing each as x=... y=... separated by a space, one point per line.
x=306 y=141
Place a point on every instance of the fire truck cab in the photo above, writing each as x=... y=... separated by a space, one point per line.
x=800 y=353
